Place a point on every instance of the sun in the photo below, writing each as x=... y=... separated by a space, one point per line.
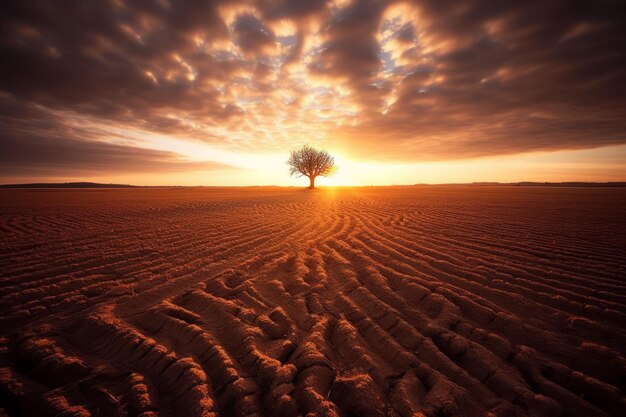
x=342 y=174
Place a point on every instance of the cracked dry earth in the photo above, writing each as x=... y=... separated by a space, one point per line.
x=407 y=301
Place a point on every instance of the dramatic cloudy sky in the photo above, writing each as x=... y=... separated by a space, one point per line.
x=202 y=92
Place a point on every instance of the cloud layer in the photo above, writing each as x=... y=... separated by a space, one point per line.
x=411 y=81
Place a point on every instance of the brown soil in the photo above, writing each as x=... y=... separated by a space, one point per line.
x=407 y=301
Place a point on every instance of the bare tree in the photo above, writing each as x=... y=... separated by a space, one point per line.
x=309 y=162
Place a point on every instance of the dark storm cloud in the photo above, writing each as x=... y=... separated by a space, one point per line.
x=56 y=156
x=351 y=50
x=427 y=79
x=507 y=77
x=117 y=59
x=350 y=53
x=36 y=142
x=280 y=9
x=251 y=35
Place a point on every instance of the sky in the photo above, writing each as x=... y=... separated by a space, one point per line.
x=172 y=92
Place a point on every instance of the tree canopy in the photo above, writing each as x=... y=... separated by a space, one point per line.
x=310 y=162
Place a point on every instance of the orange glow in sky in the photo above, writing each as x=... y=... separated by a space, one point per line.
x=400 y=92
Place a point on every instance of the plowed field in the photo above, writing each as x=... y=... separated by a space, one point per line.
x=397 y=301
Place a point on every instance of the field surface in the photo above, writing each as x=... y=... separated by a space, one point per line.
x=407 y=301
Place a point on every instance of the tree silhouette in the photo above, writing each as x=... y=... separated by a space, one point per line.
x=309 y=162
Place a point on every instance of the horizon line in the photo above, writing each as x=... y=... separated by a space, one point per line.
x=89 y=184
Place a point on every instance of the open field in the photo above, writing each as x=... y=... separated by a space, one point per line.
x=407 y=301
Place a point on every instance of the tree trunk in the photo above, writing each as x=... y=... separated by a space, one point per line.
x=312 y=180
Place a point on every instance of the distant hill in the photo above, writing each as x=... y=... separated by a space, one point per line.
x=546 y=184
x=572 y=184
x=67 y=185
